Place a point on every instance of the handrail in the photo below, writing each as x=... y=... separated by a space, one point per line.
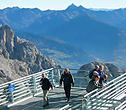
x=31 y=87
x=28 y=86
x=114 y=88
x=107 y=84
x=25 y=77
x=108 y=88
x=122 y=104
x=72 y=69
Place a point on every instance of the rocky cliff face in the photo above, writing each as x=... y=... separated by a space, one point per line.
x=112 y=71
x=12 y=69
x=19 y=57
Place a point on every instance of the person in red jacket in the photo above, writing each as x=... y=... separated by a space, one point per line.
x=46 y=85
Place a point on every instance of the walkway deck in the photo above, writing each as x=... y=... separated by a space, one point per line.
x=56 y=99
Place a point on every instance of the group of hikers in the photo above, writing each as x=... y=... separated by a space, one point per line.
x=97 y=76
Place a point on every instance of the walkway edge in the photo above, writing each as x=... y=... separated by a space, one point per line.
x=19 y=101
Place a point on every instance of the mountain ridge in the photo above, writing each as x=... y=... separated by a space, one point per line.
x=92 y=30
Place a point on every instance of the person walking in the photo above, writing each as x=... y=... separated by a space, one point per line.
x=46 y=85
x=67 y=80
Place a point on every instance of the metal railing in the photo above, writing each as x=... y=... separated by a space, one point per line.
x=23 y=88
x=29 y=86
x=67 y=107
x=107 y=98
x=122 y=106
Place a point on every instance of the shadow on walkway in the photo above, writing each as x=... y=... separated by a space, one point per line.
x=57 y=100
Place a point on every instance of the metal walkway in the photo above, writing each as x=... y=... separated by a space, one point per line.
x=56 y=100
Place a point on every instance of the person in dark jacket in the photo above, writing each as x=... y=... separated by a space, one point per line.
x=46 y=85
x=94 y=84
x=67 y=80
x=91 y=75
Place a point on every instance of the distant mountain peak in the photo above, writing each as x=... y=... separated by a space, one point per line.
x=72 y=6
x=14 y=8
x=81 y=6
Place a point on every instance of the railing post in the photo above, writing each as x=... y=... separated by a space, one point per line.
x=89 y=103
x=84 y=104
x=59 y=75
x=34 y=85
x=53 y=82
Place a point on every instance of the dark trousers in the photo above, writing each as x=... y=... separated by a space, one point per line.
x=67 y=92
x=45 y=97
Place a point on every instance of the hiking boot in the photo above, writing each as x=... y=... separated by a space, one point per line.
x=44 y=105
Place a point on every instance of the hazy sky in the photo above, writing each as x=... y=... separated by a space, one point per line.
x=62 y=4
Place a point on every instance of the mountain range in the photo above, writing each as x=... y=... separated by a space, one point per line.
x=72 y=36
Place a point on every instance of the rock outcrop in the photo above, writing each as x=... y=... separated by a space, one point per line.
x=12 y=69
x=108 y=67
x=19 y=57
x=112 y=71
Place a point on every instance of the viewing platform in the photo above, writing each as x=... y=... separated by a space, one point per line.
x=56 y=100
x=26 y=94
